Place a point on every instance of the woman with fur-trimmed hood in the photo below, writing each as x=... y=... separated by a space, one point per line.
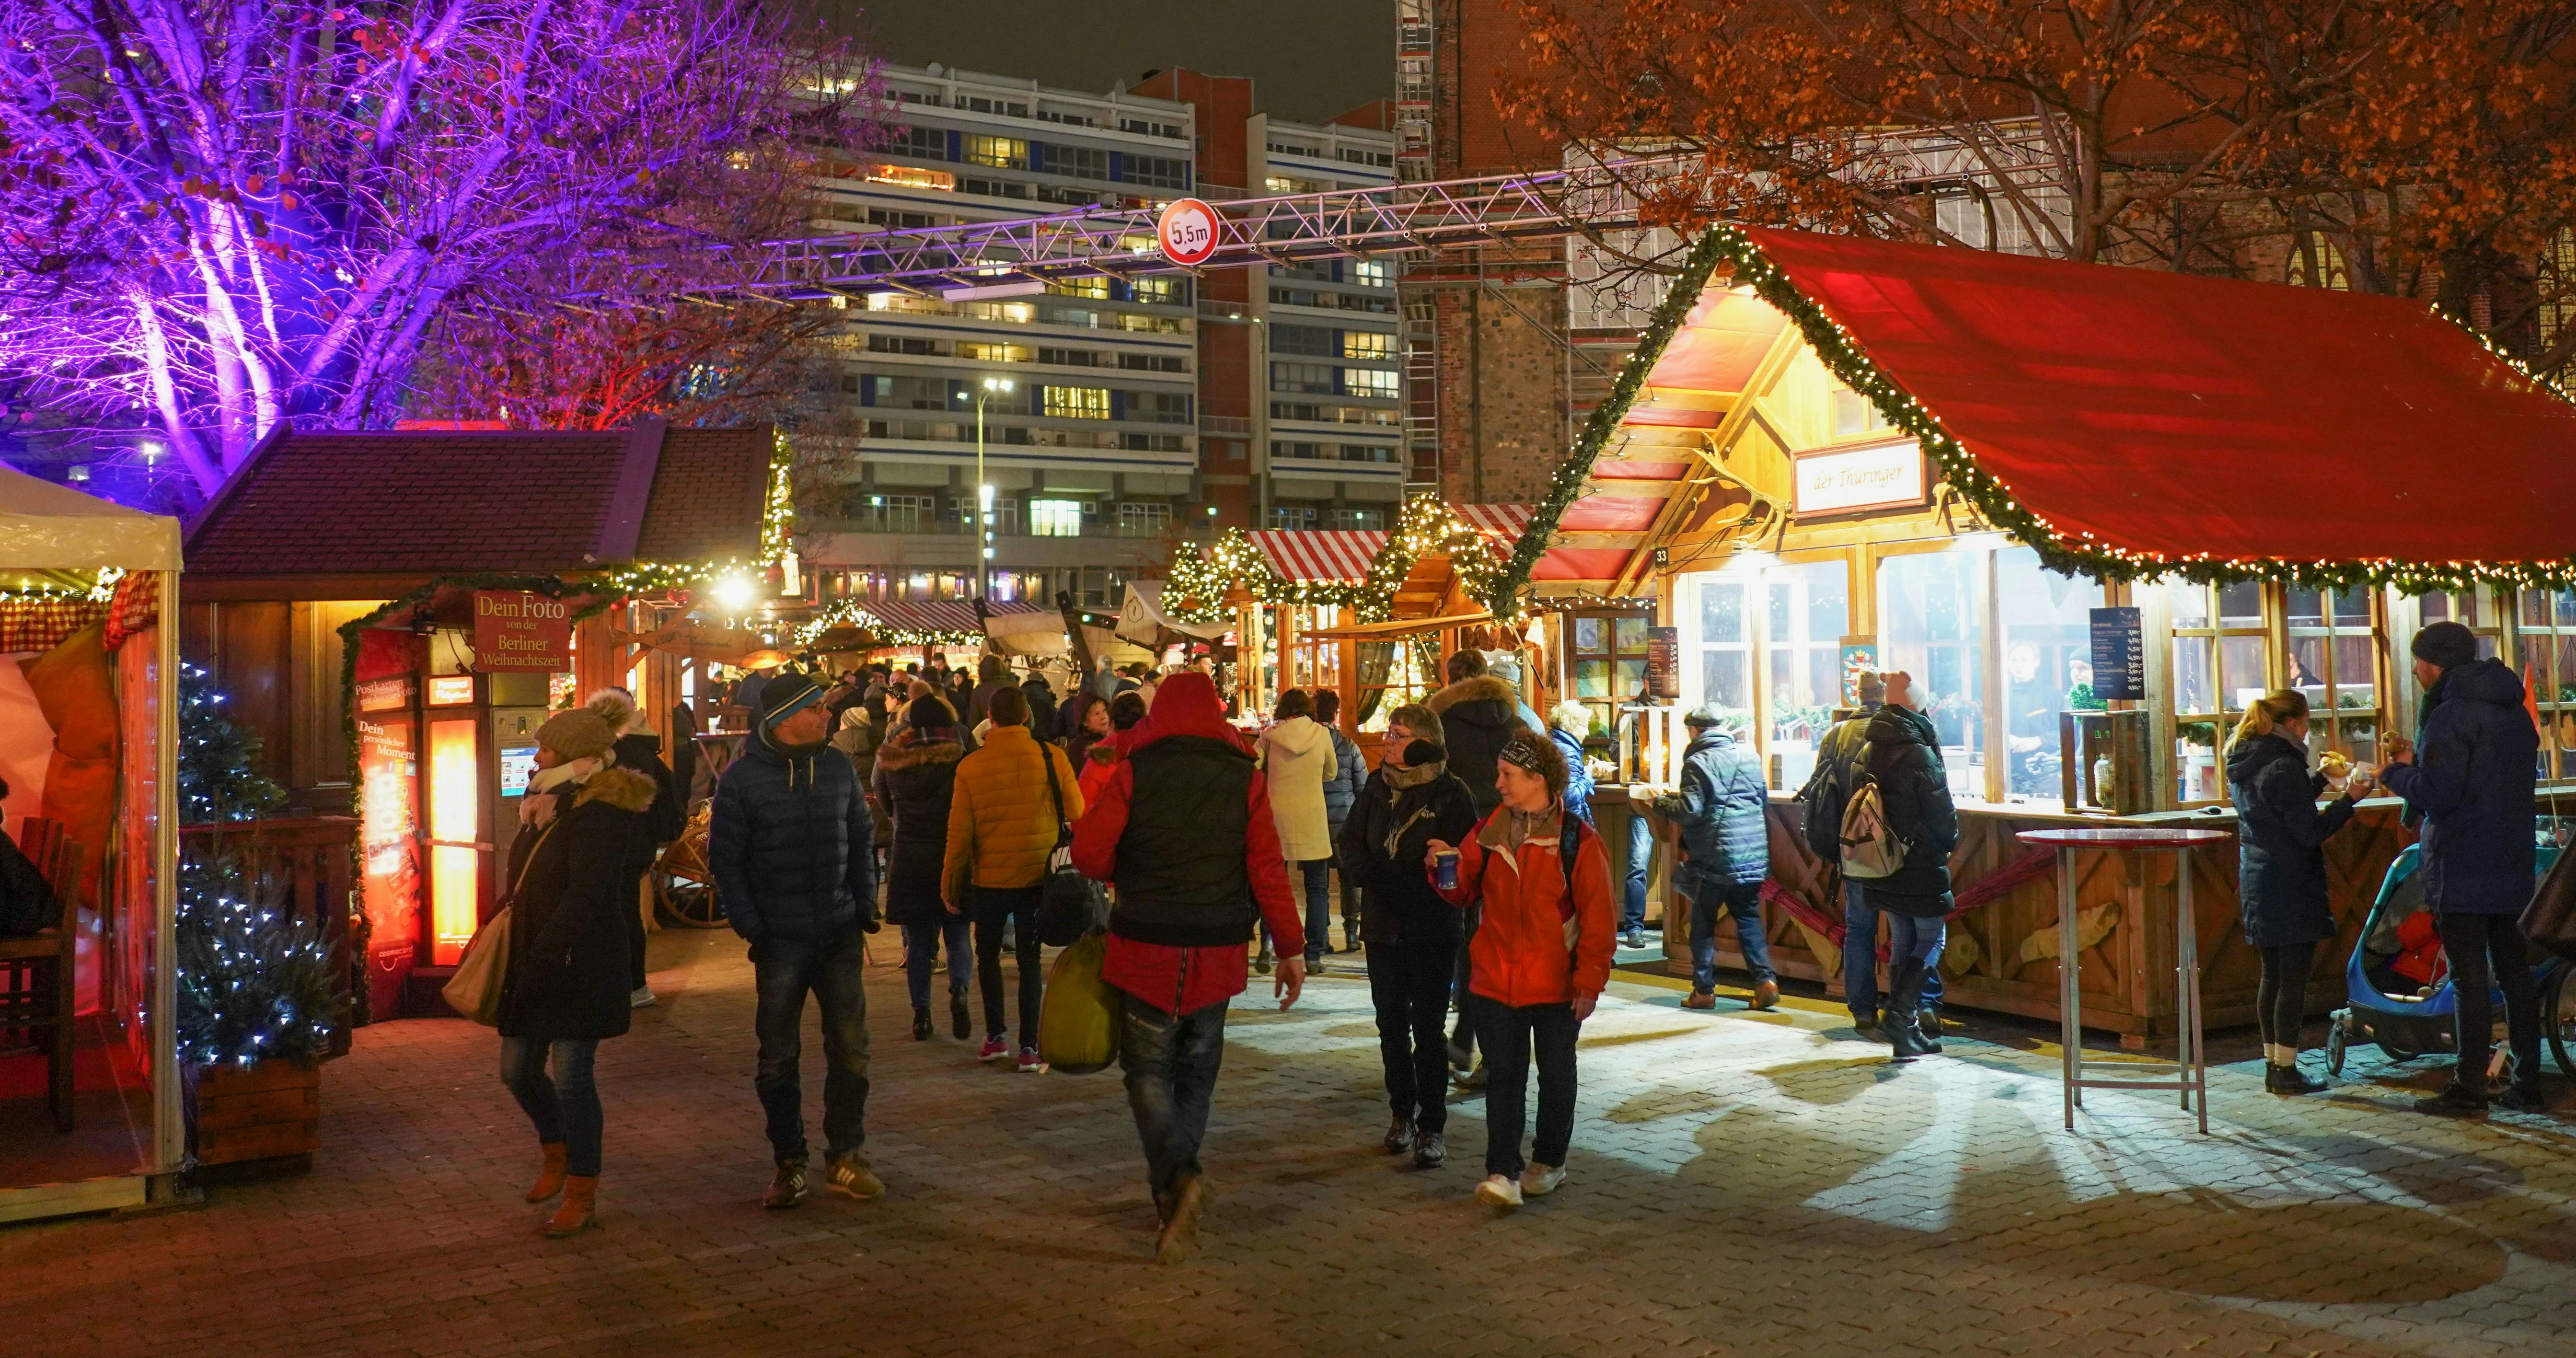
x=914 y=780
x=1479 y=713
x=581 y=850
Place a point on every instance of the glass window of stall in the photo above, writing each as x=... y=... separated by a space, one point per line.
x=2546 y=622
x=1932 y=626
x=1605 y=655
x=2333 y=658
x=1806 y=613
x=2220 y=664
x=2047 y=649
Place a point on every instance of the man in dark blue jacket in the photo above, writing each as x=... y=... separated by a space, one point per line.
x=1722 y=811
x=2472 y=786
x=791 y=843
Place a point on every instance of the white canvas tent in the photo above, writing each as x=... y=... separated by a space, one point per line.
x=48 y=528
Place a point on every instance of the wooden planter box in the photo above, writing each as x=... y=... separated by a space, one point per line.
x=262 y=1112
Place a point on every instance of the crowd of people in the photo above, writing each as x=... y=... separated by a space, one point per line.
x=1472 y=877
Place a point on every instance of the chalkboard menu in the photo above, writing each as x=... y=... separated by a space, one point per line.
x=2119 y=654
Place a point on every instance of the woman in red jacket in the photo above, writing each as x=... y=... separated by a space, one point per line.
x=1539 y=961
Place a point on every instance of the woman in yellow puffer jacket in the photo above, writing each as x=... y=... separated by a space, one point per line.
x=1001 y=829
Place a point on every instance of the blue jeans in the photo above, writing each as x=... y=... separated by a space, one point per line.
x=921 y=952
x=1743 y=900
x=1319 y=906
x=1860 y=957
x=784 y=970
x=1510 y=1036
x=1641 y=847
x=1171 y=1064
x=564 y=1108
x=1913 y=956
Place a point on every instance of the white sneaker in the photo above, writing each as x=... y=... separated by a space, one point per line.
x=1498 y=1190
x=640 y=998
x=1540 y=1180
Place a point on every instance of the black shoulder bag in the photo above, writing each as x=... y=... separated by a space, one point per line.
x=1070 y=905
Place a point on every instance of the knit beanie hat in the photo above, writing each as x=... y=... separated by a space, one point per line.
x=787 y=693
x=578 y=734
x=2445 y=645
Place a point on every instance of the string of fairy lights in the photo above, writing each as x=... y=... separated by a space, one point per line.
x=2080 y=552
x=1200 y=582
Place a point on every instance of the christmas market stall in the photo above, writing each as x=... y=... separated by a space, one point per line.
x=91 y=1100
x=394 y=613
x=2094 y=512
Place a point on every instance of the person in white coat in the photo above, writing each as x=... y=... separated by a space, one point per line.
x=1297 y=759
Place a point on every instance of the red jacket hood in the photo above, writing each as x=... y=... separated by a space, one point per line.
x=1184 y=705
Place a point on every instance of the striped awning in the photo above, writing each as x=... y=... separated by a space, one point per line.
x=1500 y=526
x=940 y=615
x=1317 y=555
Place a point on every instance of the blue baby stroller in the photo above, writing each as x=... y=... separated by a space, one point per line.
x=2407 y=1019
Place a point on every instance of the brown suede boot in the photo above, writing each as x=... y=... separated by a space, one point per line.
x=550 y=1178
x=578 y=1211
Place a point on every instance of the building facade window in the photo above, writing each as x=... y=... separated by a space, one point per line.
x=1367 y=344
x=1055 y=518
x=926 y=143
x=1001 y=153
x=1304 y=377
x=1313 y=340
x=1144 y=520
x=1292 y=516
x=1367 y=520
x=1160 y=172
x=1081 y=162
x=1076 y=403
x=1375 y=382
x=1163 y=291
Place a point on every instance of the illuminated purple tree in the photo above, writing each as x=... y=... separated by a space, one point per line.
x=217 y=216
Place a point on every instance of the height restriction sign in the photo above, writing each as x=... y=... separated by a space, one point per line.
x=1187 y=230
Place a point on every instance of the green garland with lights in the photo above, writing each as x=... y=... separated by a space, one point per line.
x=1425 y=526
x=857 y=614
x=2078 y=553
x=1566 y=486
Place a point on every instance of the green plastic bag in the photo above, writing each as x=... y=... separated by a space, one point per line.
x=1078 y=1021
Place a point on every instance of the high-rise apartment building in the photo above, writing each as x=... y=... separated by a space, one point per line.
x=1080 y=395
x=1115 y=414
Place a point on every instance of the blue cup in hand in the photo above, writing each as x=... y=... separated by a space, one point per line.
x=1445 y=870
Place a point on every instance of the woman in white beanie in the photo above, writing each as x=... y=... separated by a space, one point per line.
x=582 y=847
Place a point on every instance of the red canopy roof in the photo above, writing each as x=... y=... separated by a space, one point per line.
x=2183 y=417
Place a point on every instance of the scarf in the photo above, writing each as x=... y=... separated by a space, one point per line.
x=546 y=787
x=1402 y=776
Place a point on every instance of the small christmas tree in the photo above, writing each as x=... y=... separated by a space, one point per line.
x=255 y=983
x=218 y=780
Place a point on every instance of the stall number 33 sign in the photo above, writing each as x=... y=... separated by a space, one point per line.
x=1187 y=230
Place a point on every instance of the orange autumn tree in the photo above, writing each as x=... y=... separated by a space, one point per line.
x=2427 y=145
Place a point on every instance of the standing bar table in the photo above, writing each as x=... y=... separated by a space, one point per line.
x=2190 y=1074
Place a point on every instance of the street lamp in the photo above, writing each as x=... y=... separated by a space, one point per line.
x=984 y=492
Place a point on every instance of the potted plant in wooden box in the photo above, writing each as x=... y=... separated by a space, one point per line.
x=257 y=1012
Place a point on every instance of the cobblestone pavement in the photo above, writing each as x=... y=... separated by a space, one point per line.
x=1740 y=1184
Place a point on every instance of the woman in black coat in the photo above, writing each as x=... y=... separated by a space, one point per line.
x=1411 y=933
x=916 y=774
x=2281 y=869
x=567 y=984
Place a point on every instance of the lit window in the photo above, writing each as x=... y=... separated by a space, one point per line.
x=1367 y=344
x=1055 y=518
x=913 y=177
x=1371 y=273
x=1077 y=403
x=1369 y=382
x=1095 y=288
x=1002 y=153
x=2316 y=263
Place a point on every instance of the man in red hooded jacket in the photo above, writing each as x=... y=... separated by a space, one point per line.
x=1183 y=829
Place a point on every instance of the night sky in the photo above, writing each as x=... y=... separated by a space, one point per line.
x=1311 y=59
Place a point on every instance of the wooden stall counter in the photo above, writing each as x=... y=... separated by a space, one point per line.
x=2001 y=953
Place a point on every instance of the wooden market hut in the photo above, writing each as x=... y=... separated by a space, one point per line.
x=2094 y=511
x=333 y=592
